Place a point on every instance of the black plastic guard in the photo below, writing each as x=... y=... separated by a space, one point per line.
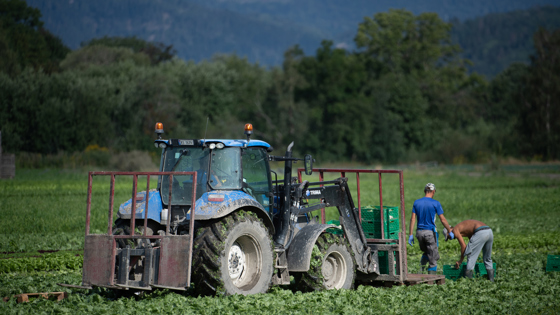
x=299 y=252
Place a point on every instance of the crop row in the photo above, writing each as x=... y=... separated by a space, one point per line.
x=48 y=262
x=542 y=242
x=522 y=286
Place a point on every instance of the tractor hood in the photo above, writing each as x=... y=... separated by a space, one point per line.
x=211 y=205
x=154 y=206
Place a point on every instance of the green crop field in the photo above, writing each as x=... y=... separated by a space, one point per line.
x=42 y=234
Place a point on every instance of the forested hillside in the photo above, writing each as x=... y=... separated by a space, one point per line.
x=337 y=19
x=262 y=30
x=197 y=32
x=404 y=95
x=495 y=41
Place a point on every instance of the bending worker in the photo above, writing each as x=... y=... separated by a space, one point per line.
x=480 y=238
x=426 y=210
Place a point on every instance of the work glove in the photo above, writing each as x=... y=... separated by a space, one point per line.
x=411 y=240
x=451 y=235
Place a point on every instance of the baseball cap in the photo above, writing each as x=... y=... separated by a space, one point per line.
x=430 y=186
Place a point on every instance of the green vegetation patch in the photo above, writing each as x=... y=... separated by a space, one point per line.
x=522 y=210
x=47 y=262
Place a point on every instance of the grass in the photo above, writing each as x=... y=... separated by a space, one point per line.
x=45 y=210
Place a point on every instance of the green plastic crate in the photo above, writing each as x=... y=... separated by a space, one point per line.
x=553 y=263
x=480 y=269
x=370 y=213
x=393 y=236
x=451 y=273
x=392 y=225
x=377 y=235
x=335 y=231
x=371 y=222
x=384 y=262
x=373 y=229
x=373 y=226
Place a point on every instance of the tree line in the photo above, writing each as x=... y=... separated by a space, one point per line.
x=404 y=94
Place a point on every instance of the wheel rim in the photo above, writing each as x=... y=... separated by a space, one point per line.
x=245 y=262
x=236 y=261
x=334 y=271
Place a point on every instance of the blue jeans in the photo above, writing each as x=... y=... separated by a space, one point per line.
x=480 y=241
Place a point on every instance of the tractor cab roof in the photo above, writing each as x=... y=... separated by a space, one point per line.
x=237 y=143
x=162 y=143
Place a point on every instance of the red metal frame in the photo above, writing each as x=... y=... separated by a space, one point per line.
x=133 y=210
x=343 y=172
x=402 y=236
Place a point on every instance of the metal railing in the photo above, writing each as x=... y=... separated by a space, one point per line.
x=134 y=192
x=146 y=211
x=343 y=172
x=400 y=247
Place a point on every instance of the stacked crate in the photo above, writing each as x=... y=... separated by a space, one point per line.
x=371 y=223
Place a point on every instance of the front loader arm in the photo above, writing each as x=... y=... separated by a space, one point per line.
x=338 y=195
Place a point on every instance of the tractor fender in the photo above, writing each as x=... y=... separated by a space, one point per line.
x=154 y=206
x=219 y=203
x=299 y=252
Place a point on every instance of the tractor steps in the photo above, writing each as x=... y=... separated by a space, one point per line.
x=24 y=297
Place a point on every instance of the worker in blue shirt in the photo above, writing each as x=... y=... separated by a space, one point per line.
x=426 y=210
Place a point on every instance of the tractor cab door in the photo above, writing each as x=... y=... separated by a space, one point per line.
x=256 y=176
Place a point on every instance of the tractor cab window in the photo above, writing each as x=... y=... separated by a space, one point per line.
x=184 y=159
x=256 y=175
x=225 y=169
x=215 y=169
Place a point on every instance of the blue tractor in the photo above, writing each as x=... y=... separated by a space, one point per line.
x=250 y=231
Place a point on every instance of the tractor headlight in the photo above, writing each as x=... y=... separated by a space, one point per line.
x=162 y=145
x=220 y=145
x=212 y=146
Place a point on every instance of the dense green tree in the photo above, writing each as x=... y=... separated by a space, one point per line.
x=24 y=41
x=48 y=114
x=498 y=105
x=156 y=52
x=333 y=80
x=403 y=95
x=399 y=41
x=540 y=100
x=102 y=55
x=284 y=115
x=417 y=78
x=208 y=95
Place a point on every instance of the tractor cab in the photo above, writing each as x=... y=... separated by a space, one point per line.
x=222 y=166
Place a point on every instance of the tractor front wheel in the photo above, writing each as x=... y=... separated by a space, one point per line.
x=233 y=256
x=332 y=266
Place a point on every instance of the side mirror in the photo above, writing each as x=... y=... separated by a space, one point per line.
x=308 y=161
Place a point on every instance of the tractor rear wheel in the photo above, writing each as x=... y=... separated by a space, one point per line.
x=233 y=256
x=332 y=266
